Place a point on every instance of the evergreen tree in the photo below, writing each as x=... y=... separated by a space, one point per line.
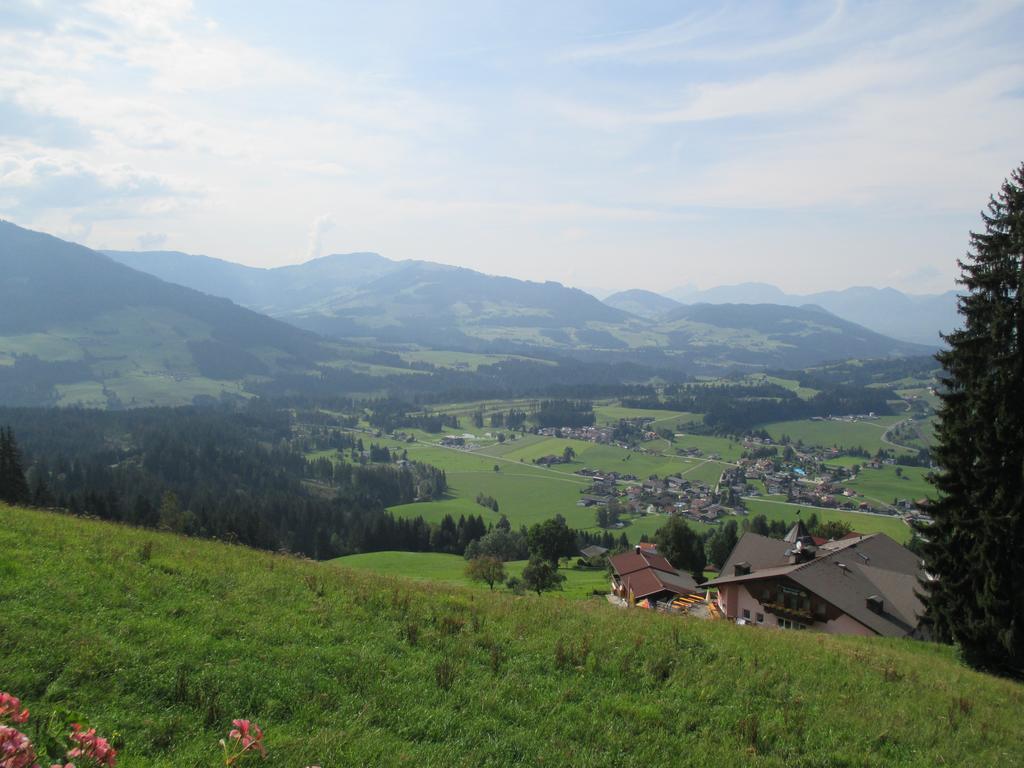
x=13 y=486
x=682 y=547
x=973 y=549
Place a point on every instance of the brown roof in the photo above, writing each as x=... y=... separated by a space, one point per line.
x=628 y=562
x=650 y=581
x=844 y=573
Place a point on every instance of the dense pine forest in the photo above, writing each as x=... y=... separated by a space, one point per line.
x=234 y=474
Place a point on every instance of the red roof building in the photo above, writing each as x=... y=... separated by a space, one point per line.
x=640 y=575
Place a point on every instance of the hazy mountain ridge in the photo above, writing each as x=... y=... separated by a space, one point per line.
x=915 y=318
x=645 y=304
x=373 y=299
x=277 y=290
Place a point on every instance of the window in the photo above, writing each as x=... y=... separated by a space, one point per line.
x=787 y=624
x=746 y=614
x=760 y=618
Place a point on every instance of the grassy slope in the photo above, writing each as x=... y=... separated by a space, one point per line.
x=165 y=651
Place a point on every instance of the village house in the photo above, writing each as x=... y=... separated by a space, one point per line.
x=858 y=585
x=593 y=555
x=641 y=575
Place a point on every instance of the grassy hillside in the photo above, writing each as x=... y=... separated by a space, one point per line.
x=160 y=641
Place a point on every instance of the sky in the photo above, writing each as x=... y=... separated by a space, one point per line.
x=603 y=145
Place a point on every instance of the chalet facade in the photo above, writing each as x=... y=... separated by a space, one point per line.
x=642 y=575
x=859 y=585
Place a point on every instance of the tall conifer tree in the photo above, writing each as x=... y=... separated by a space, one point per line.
x=975 y=548
x=13 y=487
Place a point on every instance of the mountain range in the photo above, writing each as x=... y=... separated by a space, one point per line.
x=916 y=318
x=366 y=296
x=134 y=328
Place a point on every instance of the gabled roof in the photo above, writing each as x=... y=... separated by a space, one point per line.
x=629 y=562
x=844 y=573
x=650 y=581
x=593 y=551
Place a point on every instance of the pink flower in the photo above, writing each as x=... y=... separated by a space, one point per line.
x=16 y=750
x=91 y=747
x=248 y=734
x=9 y=706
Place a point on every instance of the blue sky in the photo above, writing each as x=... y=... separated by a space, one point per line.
x=605 y=145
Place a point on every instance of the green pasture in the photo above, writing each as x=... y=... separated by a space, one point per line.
x=524 y=497
x=729 y=450
x=883 y=485
x=612 y=414
x=805 y=393
x=451 y=569
x=893 y=527
x=839 y=434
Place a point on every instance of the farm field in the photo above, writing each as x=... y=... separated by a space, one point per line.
x=451 y=569
x=524 y=497
x=883 y=485
x=841 y=434
x=160 y=640
x=612 y=414
x=467 y=360
x=792 y=385
x=893 y=527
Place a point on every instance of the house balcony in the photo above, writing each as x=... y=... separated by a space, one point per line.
x=793 y=614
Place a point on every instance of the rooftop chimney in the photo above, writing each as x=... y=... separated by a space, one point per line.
x=638 y=549
x=875 y=603
x=741 y=569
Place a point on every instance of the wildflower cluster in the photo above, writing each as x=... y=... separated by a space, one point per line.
x=91 y=748
x=16 y=750
x=244 y=739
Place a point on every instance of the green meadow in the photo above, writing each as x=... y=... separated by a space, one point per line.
x=840 y=434
x=891 y=526
x=612 y=414
x=451 y=569
x=889 y=482
x=159 y=641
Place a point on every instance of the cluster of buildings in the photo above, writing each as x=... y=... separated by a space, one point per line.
x=588 y=434
x=674 y=495
x=824 y=488
x=858 y=585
